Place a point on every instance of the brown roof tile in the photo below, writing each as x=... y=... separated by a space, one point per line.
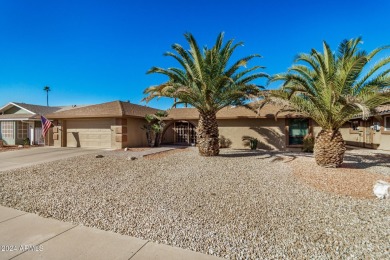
x=110 y=109
x=40 y=110
x=130 y=109
x=268 y=111
x=385 y=109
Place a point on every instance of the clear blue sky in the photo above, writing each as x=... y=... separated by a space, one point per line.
x=98 y=51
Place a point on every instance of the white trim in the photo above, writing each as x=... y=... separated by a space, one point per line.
x=22 y=108
x=13 y=104
x=16 y=119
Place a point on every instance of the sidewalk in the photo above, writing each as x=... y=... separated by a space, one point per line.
x=28 y=236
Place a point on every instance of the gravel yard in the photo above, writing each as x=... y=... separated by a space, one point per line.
x=239 y=205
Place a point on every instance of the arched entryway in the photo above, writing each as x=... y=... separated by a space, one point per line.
x=180 y=133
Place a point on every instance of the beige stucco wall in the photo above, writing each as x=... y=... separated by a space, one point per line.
x=354 y=138
x=57 y=131
x=168 y=134
x=385 y=142
x=269 y=132
x=380 y=139
x=315 y=128
x=136 y=136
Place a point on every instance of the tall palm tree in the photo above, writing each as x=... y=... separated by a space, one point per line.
x=208 y=81
x=332 y=88
x=47 y=89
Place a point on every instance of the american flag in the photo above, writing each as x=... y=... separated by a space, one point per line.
x=45 y=125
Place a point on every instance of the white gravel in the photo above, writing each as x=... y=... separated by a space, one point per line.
x=240 y=205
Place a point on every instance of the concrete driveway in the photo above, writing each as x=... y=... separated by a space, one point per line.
x=26 y=157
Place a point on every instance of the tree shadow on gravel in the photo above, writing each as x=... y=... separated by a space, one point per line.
x=275 y=156
x=364 y=161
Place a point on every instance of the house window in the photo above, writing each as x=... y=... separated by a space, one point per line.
x=387 y=123
x=355 y=125
x=298 y=128
x=22 y=130
x=7 y=129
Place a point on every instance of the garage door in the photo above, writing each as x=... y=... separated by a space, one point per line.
x=94 y=133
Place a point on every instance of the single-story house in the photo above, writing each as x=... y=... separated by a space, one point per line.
x=19 y=121
x=119 y=124
x=236 y=123
x=371 y=133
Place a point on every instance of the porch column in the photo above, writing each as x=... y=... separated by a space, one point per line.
x=31 y=132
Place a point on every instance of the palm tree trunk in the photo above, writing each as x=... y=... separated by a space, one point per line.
x=207 y=134
x=329 y=148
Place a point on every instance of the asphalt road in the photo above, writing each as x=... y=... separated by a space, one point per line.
x=35 y=155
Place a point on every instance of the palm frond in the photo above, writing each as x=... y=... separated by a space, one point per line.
x=204 y=79
x=333 y=88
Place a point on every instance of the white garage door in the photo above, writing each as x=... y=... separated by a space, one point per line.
x=89 y=133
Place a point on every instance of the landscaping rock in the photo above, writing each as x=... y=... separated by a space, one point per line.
x=99 y=156
x=382 y=190
x=226 y=206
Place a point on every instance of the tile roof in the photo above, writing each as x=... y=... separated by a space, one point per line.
x=31 y=111
x=40 y=110
x=384 y=109
x=110 y=109
x=268 y=111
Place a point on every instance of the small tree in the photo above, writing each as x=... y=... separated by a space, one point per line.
x=154 y=128
x=47 y=89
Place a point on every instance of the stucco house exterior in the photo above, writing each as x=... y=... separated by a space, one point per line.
x=113 y=125
x=19 y=121
x=284 y=133
x=371 y=133
x=118 y=124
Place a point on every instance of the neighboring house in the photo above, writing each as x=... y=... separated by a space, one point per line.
x=235 y=123
x=19 y=121
x=112 y=125
x=371 y=133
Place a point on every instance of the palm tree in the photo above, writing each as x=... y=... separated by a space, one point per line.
x=332 y=88
x=47 y=89
x=208 y=82
x=154 y=127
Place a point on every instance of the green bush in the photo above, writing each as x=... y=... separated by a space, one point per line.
x=252 y=142
x=26 y=141
x=308 y=143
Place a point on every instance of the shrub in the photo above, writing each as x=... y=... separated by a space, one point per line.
x=252 y=142
x=224 y=142
x=308 y=143
x=26 y=141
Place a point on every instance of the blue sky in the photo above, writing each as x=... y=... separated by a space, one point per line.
x=98 y=51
